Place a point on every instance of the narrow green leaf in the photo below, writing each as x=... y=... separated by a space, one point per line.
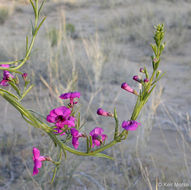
x=146 y=73
x=54 y=174
x=158 y=78
x=12 y=95
x=90 y=141
x=151 y=90
x=15 y=88
x=41 y=6
x=33 y=6
x=26 y=119
x=27 y=91
x=154 y=47
x=27 y=44
x=40 y=24
x=33 y=29
x=78 y=123
x=87 y=144
x=101 y=155
x=116 y=123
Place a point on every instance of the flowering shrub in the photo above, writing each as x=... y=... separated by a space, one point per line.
x=65 y=120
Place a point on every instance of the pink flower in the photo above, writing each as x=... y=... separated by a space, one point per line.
x=61 y=118
x=7 y=76
x=70 y=122
x=37 y=160
x=75 y=136
x=97 y=136
x=126 y=87
x=71 y=96
x=102 y=112
x=130 y=125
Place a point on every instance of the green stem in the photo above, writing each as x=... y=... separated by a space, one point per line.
x=45 y=128
x=9 y=62
x=79 y=153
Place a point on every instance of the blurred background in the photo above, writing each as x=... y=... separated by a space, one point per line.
x=92 y=46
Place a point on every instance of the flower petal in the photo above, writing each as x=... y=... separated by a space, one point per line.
x=97 y=131
x=75 y=95
x=36 y=153
x=68 y=122
x=74 y=132
x=41 y=158
x=97 y=142
x=51 y=119
x=75 y=142
x=4 y=82
x=4 y=65
x=65 y=95
x=35 y=171
x=103 y=137
x=62 y=111
x=130 y=125
x=37 y=163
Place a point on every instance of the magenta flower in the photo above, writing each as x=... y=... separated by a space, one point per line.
x=102 y=112
x=97 y=136
x=75 y=136
x=130 y=125
x=71 y=96
x=126 y=87
x=37 y=160
x=7 y=76
x=61 y=116
x=61 y=129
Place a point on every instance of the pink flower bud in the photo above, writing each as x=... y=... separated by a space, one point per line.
x=130 y=125
x=24 y=75
x=146 y=80
x=136 y=78
x=126 y=87
x=155 y=60
x=102 y=112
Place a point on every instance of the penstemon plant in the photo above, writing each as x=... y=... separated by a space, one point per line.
x=63 y=123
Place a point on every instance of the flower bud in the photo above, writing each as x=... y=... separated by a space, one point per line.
x=158 y=73
x=146 y=80
x=142 y=70
x=136 y=78
x=155 y=60
x=130 y=125
x=24 y=75
x=126 y=87
x=102 y=112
